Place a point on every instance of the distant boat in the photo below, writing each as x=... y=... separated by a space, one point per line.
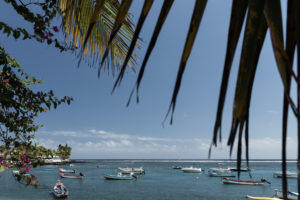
x=290 y=195
x=191 y=170
x=226 y=180
x=215 y=174
x=289 y=174
x=220 y=170
x=71 y=165
x=66 y=170
x=263 y=198
x=63 y=175
x=176 y=167
x=245 y=169
x=60 y=191
x=128 y=170
x=120 y=176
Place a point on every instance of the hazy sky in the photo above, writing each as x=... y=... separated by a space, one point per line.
x=99 y=125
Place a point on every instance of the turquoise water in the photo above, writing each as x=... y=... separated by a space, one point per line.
x=160 y=182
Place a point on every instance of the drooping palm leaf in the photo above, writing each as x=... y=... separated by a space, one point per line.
x=160 y=22
x=238 y=12
x=146 y=8
x=252 y=44
x=193 y=29
x=88 y=25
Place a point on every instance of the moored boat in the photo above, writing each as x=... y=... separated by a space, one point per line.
x=63 y=175
x=60 y=190
x=226 y=180
x=215 y=174
x=129 y=170
x=246 y=169
x=66 y=170
x=289 y=174
x=176 y=167
x=120 y=176
x=191 y=170
x=263 y=198
x=290 y=195
x=220 y=170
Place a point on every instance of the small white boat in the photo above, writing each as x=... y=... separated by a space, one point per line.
x=128 y=170
x=289 y=174
x=245 y=169
x=176 y=167
x=17 y=173
x=226 y=180
x=63 y=175
x=220 y=170
x=215 y=174
x=263 y=198
x=191 y=170
x=60 y=191
x=290 y=195
x=66 y=170
x=120 y=176
x=71 y=165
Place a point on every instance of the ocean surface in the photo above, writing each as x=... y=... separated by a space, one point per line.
x=160 y=182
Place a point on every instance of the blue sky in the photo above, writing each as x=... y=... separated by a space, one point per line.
x=99 y=125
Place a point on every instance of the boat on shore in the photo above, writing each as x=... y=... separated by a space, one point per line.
x=129 y=170
x=60 y=190
x=120 y=176
x=226 y=180
x=66 y=170
x=63 y=175
x=289 y=174
x=290 y=195
x=191 y=170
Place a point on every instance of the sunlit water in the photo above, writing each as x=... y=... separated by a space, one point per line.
x=160 y=182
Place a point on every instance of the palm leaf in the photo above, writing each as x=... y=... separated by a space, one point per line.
x=238 y=13
x=146 y=8
x=254 y=36
x=160 y=22
x=193 y=29
x=88 y=25
x=123 y=10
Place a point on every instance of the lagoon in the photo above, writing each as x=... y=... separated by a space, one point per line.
x=160 y=182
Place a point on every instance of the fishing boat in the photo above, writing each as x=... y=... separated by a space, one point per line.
x=226 y=180
x=128 y=170
x=290 y=195
x=191 y=170
x=66 y=170
x=63 y=175
x=120 y=176
x=289 y=174
x=215 y=174
x=60 y=190
x=263 y=198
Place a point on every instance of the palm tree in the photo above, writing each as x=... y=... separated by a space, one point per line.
x=262 y=15
x=88 y=25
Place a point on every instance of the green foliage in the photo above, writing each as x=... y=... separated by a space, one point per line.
x=19 y=107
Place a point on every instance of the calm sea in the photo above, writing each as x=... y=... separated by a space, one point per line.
x=160 y=182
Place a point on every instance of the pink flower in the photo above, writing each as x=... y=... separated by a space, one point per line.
x=46 y=37
x=24 y=157
x=27 y=169
x=50 y=34
x=5 y=81
x=46 y=110
x=55 y=29
x=38 y=93
x=5 y=165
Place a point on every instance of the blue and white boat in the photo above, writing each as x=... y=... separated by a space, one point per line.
x=120 y=176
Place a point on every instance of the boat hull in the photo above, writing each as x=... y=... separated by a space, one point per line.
x=60 y=193
x=191 y=170
x=241 y=182
x=66 y=170
x=117 y=177
x=263 y=198
x=69 y=176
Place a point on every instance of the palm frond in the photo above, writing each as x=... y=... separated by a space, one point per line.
x=88 y=25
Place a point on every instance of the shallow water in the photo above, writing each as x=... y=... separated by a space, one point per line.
x=160 y=182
